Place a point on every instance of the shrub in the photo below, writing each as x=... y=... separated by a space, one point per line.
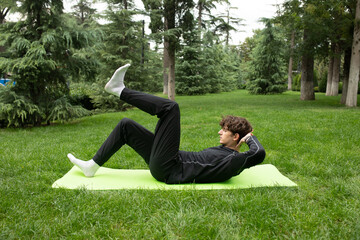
x=17 y=110
x=102 y=100
x=80 y=95
x=62 y=110
x=296 y=84
x=323 y=82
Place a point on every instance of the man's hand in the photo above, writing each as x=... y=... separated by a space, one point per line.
x=245 y=138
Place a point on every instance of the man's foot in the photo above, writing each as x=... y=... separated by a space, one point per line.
x=89 y=168
x=116 y=83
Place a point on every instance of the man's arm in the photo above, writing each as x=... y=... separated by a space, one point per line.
x=255 y=154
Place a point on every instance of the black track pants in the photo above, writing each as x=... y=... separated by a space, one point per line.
x=159 y=149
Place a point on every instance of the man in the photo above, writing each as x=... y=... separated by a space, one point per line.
x=161 y=151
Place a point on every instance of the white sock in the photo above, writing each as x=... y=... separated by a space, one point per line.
x=89 y=168
x=116 y=83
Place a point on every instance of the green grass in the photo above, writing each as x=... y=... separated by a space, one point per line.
x=314 y=143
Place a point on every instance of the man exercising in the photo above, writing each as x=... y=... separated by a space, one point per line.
x=160 y=150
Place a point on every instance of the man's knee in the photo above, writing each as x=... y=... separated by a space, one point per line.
x=125 y=123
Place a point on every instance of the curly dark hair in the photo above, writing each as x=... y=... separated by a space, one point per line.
x=236 y=125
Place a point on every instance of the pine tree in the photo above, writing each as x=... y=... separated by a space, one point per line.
x=125 y=42
x=267 y=65
x=43 y=51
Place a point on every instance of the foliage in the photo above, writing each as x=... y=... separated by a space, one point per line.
x=83 y=11
x=6 y=7
x=19 y=111
x=190 y=72
x=296 y=84
x=203 y=66
x=16 y=110
x=80 y=95
x=319 y=82
x=127 y=44
x=62 y=110
x=207 y=70
x=105 y=101
x=225 y=23
x=266 y=65
x=44 y=50
x=322 y=82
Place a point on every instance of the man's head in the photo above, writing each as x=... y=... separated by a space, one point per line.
x=237 y=125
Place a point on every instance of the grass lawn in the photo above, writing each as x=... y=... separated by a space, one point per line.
x=314 y=143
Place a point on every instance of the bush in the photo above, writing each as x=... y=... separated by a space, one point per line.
x=80 y=95
x=102 y=100
x=16 y=110
x=340 y=87
x=296 y=84
x=19 y=111
x=323 y=82
x=62 y=110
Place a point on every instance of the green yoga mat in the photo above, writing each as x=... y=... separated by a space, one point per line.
x=265 y=175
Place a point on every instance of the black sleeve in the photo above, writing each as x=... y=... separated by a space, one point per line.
x=254 y=156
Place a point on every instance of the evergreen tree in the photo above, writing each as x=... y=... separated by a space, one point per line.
x=267 y=66
x=43 y=51
x=83 y=10
x=124 y=42
x=190 y=69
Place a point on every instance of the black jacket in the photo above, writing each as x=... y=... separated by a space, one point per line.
x=215 y=164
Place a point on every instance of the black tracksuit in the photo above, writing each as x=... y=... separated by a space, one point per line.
x=161 y=152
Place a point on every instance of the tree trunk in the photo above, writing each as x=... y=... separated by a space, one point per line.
x=347 y=60
x=3 y=14
x=166 y=67
x=307 y=72
x=200 y=8
x=336 y=71
x=351 y=98
x=143 y=43
x=227 y=30
x=330 y=73
x=307 y=78
x=291 y=60
x=169 y=16
x=171 y=93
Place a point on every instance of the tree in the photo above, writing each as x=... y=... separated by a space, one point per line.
x=314 y=34
x=43 y=51
x=351 y=99
x=266 y=66
x=126 y=44
x=226 y=24
x=206 y=6
x=172 y=12
x=307 y=70
x=325 y=27
x=289 y=16
x=5 y=7
x=339 y=24
x=83 y=11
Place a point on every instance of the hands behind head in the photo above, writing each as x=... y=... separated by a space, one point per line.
x=245 y=138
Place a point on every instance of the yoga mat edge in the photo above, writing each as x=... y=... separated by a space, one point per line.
x=265 y=175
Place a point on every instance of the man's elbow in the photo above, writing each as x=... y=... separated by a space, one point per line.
x=261 y=155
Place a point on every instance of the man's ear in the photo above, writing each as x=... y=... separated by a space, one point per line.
x=236 y=137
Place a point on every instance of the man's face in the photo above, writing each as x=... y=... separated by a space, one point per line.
x=227 y=138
